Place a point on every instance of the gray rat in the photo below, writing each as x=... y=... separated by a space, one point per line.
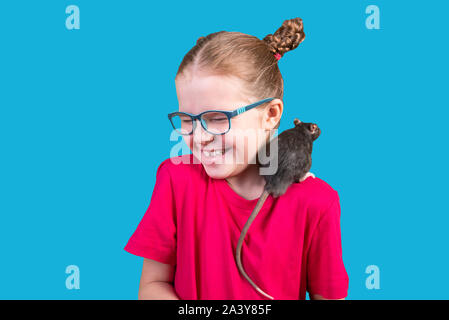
x=294 y=159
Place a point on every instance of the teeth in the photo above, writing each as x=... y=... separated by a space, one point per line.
x=213 y=153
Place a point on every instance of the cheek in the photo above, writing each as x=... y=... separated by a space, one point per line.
x=188 y=140
x=245 y=143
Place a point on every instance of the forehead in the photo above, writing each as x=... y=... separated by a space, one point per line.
x=204 y=92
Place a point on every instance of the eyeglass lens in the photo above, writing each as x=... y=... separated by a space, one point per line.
x=213 y=122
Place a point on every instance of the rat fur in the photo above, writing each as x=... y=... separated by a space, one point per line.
x=294 y=162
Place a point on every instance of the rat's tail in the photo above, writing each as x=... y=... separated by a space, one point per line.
x=238 y=249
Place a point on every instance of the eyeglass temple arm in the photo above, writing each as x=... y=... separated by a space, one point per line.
x=235 y=112
x=249 y=107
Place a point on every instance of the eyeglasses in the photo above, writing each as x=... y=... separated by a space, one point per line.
x=216 y=122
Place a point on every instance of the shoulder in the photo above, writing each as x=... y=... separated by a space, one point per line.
x=316 y=192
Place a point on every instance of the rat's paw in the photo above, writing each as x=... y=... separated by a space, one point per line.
x=308 y=174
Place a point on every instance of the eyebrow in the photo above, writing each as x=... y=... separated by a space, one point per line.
x=214 y=108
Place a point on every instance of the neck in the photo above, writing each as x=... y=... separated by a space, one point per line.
x=249 y=183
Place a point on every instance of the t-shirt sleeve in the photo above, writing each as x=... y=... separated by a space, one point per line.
x=326 y=273
x=155 y=236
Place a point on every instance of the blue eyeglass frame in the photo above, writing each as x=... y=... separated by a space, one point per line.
x=229 y=115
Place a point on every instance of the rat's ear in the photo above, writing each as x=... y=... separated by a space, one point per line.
x=296 y=121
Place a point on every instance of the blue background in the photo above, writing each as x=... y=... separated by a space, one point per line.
x=83 y=128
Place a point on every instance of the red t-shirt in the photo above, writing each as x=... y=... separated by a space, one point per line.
x=193 y=222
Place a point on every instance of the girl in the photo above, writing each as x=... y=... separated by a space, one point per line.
x=202 y=200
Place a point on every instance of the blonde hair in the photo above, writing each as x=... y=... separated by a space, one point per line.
x=246 y=57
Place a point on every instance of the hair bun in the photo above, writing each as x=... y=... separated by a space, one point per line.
x=287 y=37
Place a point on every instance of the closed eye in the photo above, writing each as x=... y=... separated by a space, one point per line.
x=220 y=119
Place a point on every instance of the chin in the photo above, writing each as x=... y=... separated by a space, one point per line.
x=217 y=171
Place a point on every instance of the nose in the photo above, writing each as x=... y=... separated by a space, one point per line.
x=199 y=134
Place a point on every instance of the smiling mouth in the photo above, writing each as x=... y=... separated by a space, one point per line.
x=214 y=153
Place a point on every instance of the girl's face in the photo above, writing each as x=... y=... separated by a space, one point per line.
x=248 y=132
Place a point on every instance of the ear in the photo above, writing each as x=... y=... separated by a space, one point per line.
x=296 y=121
x=272 y=113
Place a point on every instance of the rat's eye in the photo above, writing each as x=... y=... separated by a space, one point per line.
x=313 y=128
